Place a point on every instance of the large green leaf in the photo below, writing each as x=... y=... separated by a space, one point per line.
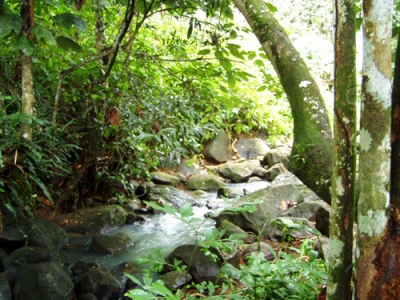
x=9 y=23
x=68 y=19
x=226 y=64
x=68 y=44
x=234 y=50
x=25 y=45
x=231 y=80
x=42 y=32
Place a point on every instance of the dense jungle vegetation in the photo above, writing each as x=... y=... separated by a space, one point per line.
x=178 y=76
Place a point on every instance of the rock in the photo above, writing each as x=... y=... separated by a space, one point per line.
x=289 y=178
x=87 y=296
x=284 y=227
x=278 y=155
x=267 y=207
x=217 y=150
x=171 y=195
x=322 y=219
x=93 y=220
x=264 y=247
x=175 y=279
x=204 y=182
x=130 y=218
x=275 y=171
x=98 y=282
x=250 y=148
x=322 y=246
x=19 y=260
x=165 y=178
x=110 y=244
x=5 y=289
x=231 y=228
x=45 y=280
x=190 y=170
x=307 y=210
x=239 y=171
x=201 y=267
x=39 y=232
x=229 y=192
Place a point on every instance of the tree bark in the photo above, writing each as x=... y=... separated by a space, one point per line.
x=377 y=256
x=344 y=154
x=27 y=95
x=311 y=158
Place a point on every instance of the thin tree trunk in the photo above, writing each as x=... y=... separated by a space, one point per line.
x=311 y=158
x=344 y=154
x=375 y=278
x=27 y=95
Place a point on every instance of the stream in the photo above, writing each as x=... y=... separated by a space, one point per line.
x=163 y=231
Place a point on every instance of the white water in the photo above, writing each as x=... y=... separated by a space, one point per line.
x=162 y=231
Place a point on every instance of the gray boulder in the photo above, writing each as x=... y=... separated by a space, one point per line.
x=99 y=282
x=189 y=170
x=231 y=228
x=175 y=279
x=170 y=195
x=200 y=266
x=266 y=207
x=217 y=150
x=239 y=171
x=307 y=210
x=93 y=220
x=165 y=178
x=204 y=182
x=278 y=155
x=282 y=228
x=251 y=148
x=45 y=280
x=264 y=247
x=110 y=244
x=275 y=171
x=289 y=178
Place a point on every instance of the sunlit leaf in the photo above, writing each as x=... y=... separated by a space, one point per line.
x=204 y=52
x=231 y=81
x=186 y=210
x=10 y=23
x=226 y=64
x=272 y=8
x=262 y=88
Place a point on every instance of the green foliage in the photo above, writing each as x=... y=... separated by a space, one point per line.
x=291 y=276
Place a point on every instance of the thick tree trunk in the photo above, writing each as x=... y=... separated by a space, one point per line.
x=311 y=157
x=377 y=254
x=344 y=154
x=27 y=95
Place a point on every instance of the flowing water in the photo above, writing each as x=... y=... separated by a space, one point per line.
x=163 y=231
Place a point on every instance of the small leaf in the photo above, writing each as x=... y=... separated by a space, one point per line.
x=204 y=52
x=190 y=29
x=262 y=88
x=186 y=210
x=272 y=8
x=68 y=44
x=218 y=54
x=231 y=81
x=234 y=50
x=42 y=32
x=68 y=19
x=226 y=64
x=259 y=63
x=25 y=45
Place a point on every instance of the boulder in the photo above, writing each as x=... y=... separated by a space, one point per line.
x=175 y=279
x=19 y=260
x=204 y=182
x=278 y=155
x=99 y=282
x=187 y=169
x=93 y=220
x=307 y=210
x=38 y=232
x=229 y=192
x=282 y=228
x=46 y=280
x=171 y=195
x=231 y=228
x=266 y=248
x=275 y=171
x=217 y=150
x=289 y=178
x=5 y=289
x=239 y=171
x=322 y=219
x=165 y=178
x=200 y=266
x=251 y=148
x=266 y=207
x=110 y=244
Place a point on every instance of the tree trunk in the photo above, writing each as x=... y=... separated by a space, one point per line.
x=344 y=154
x=311 y=158
x=27 y=95
x=377 y=255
